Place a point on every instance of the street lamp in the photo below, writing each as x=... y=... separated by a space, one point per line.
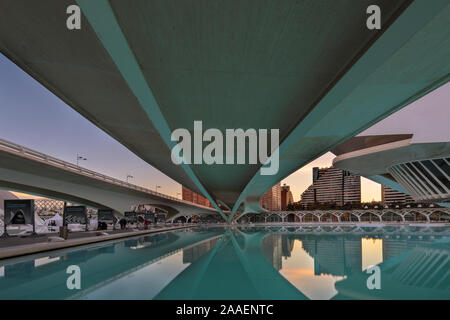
x=157 y=187
x=178 y=194
x=80 y=158
x=129 y=176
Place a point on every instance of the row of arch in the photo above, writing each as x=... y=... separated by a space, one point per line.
x=441 y=215
x=382 y=231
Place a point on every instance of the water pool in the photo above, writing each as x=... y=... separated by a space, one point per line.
x=243 y=263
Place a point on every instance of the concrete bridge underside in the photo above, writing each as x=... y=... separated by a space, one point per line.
x=310 y=68
x=23 y=174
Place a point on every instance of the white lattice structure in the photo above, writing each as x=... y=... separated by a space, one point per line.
x=362 y=215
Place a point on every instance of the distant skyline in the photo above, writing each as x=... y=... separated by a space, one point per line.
x=34 y=117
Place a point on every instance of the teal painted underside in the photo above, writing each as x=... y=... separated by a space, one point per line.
x=237 y=261
x=101 y=18
x=395 y=71
x=408 y=60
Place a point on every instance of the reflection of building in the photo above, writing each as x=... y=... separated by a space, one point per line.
x=276 y=246
x=191 y=196
x=286 y=197
x=287 y=246
x=338 y=256
x=272 y=248
x=333 y=185
x=391 y=196
x=271 y=200
x=193 y=253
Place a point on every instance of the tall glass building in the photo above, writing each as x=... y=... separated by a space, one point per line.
x=334 y=186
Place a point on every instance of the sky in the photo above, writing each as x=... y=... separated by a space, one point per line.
x=427 y=118
x=48 y=125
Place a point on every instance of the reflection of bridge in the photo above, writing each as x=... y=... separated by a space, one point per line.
x=362 y=215
x=101 y=264
x=237 y=261
x=419 y=273
x=412 y=232
x=26 y=170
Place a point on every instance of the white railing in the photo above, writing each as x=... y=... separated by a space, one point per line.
x=25 y=152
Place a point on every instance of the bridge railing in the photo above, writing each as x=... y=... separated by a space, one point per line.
x=14 y=148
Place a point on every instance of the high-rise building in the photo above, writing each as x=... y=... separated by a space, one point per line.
x=334 y=186
x=271 y=200
x=391 y=196
x=194 y=197
x=286 y=197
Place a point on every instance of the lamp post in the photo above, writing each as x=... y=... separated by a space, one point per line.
x=178 y=194
x=129 y=176
x=157 y=187
x=80 y=158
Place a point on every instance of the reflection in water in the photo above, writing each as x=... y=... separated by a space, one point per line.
x=299 y=269
x=372 y=252
x=143 y=283
x=420 y=273
x=242 y=263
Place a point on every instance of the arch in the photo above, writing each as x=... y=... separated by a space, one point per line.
x=181 y=219
x=309 y=217
x=329 y=217
x=414 y=216
x=390 y=216
x=439 y=216
x=369 y=217
x=349 y=217
x=273 y=217
x=291 y=217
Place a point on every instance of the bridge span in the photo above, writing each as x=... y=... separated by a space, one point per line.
x=26 y=170
x=319 y=78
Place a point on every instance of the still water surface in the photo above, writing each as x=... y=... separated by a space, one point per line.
x=243 y=263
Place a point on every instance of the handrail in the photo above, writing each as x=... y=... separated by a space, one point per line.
x=42 y=157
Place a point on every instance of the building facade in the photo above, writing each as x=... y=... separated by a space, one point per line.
x=286 y=197
x=333 y=186
x=271 y=200
x=391 y=196
x=194 y=197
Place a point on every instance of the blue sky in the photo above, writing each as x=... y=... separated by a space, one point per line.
x=32 y=116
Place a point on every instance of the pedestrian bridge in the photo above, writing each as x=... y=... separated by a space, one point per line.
x=26 y=170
